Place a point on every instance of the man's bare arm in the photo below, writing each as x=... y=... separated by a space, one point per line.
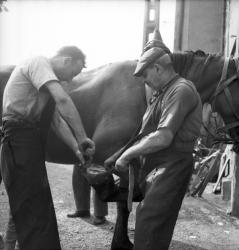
x=69 y=114
x=155 y=141
x=62 y=130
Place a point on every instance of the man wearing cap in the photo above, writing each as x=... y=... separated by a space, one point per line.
x=171 y=125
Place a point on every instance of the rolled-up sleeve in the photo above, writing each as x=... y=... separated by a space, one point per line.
x=176 y=106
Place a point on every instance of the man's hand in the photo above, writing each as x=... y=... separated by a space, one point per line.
x=109 y=163
x=86 y=151
x=88 y=147
x=80 y=156
x=122 y=164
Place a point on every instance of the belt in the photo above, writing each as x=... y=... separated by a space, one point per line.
x=11 y=126
x=19 y=123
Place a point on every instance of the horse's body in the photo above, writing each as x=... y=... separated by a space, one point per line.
x=112 y=102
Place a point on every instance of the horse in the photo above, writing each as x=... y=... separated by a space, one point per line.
x=111 y=102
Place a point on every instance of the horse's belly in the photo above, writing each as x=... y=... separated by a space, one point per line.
x=57 y=151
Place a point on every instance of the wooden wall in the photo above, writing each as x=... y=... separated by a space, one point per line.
x=199 y=25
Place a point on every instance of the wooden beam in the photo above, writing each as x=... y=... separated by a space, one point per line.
x=150 y=25
x=235 y=188
x=179 y=24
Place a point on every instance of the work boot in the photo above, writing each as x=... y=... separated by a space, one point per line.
x=99 y=220
x=81 y=214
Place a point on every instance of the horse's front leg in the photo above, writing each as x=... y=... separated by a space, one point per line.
x=120 y=239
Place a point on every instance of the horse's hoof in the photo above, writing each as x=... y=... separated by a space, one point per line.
x=125 y=246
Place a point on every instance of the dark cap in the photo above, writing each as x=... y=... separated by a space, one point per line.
x=147 y=58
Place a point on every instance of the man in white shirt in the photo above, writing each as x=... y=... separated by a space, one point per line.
x=28 y=90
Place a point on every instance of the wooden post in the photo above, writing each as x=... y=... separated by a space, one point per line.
x=235 y=188
x=150 y=25
x=179 y=25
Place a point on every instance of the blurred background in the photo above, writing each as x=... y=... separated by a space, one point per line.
x=106 y=31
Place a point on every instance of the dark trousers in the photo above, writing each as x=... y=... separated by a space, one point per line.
x=24 y=174
x=156 y=215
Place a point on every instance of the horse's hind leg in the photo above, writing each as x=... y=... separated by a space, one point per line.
x=120 y=239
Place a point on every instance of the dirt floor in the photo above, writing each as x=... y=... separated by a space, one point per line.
x=202 y=224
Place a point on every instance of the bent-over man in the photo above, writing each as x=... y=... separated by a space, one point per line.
x=171 y=125
x=29 y=89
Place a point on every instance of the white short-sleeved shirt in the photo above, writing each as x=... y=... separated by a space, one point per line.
x=22 y=98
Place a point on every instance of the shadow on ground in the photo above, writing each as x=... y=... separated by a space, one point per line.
x=177 y=245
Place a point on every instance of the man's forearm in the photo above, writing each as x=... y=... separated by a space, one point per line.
x=154 y=142
x=67 y=110
x=63 y=132
x=71 y=116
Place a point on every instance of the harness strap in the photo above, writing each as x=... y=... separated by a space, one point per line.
x=202 y=69
x=224 y=84
x=223 y=80
x=228 y=127
x=224 y=70
x=236 y=60
x=229 y=100
x=219 y=87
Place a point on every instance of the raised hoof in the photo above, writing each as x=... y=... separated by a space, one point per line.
x=124 y=246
